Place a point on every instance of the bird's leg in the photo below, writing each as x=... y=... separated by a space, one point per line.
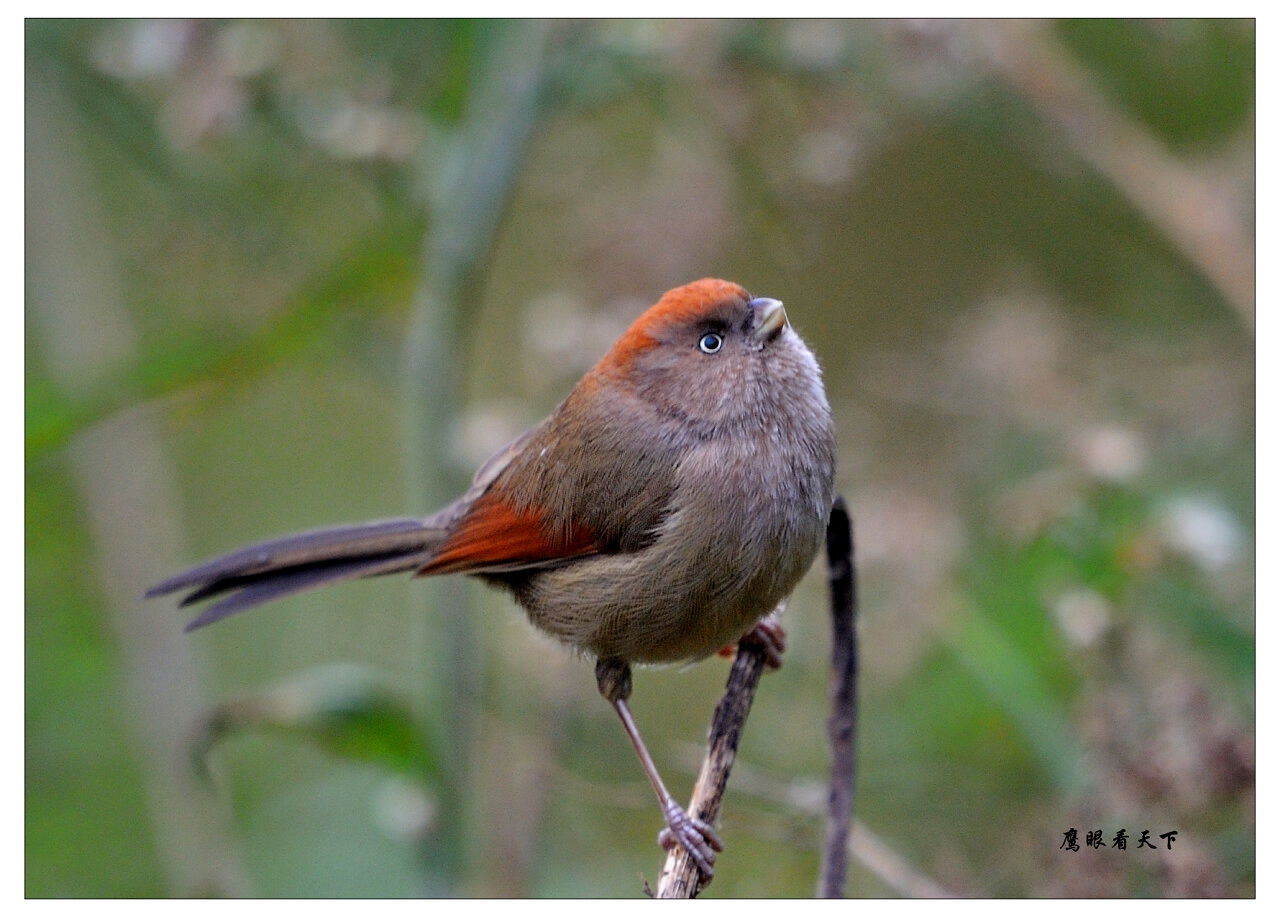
x=699 y=839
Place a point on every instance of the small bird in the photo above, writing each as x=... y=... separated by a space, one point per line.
x=659 y=514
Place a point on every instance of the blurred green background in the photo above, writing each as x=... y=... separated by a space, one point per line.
x=288 y=274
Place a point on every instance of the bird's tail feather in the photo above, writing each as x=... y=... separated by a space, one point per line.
x=274 y=569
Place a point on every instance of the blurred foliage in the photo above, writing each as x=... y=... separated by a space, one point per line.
x=1190 y=81
x=1045 y=410
x=379 y=271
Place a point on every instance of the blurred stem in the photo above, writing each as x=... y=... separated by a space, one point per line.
x=865 y=846
x=126 y=483
x=1196 y=214
x=467 y=189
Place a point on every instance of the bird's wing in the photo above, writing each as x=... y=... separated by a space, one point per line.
x=493 y=536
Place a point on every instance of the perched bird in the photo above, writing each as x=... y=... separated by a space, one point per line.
x=659 y=513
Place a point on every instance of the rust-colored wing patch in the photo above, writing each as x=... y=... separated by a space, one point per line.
x=493 y=536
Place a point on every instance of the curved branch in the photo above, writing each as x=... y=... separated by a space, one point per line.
x=680 y=876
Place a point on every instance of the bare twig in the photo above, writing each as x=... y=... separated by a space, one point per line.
x=843 y=722
x=894 y=869
x=808 y=799
x=680 y=876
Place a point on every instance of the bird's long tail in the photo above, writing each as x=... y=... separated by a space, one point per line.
x=272 y=569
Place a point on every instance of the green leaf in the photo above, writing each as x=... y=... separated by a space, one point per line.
x=340 y=709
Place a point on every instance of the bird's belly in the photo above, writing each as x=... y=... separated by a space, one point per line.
x=655 y=606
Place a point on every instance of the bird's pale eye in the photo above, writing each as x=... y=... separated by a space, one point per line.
x=711 y=342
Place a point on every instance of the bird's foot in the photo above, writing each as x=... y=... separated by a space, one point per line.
x=698 y=838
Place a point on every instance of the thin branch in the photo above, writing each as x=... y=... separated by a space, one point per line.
x=680 y=877
x=894 y=869
x=843 y=722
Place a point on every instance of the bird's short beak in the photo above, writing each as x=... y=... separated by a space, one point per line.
x=772 y=318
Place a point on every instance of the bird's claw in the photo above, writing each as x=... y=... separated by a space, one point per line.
x=769 y=636
x=698 y=838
